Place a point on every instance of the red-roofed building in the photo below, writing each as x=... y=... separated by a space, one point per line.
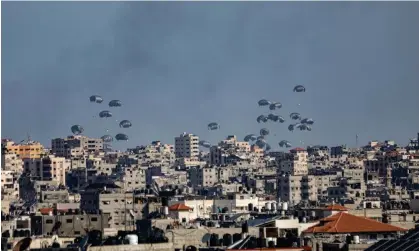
x=181 y=212
x=344 y=223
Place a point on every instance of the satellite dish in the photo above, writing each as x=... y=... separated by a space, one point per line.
x=23 y=244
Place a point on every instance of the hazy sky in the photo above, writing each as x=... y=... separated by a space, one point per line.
x=177 y=66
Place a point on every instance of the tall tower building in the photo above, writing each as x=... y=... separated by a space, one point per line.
x=187 y=146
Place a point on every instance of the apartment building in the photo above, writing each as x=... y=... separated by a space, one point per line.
x=111 y=199
x=295 y=188
x=294 y=163
x=187 y=146
x=9 y=185
x=203 y=176
x=48 y=168
x=294 y=183
x=29 y=149
x=75 y=146
x=134 y=178
x=11 y=162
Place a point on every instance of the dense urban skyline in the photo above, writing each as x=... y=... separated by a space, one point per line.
x=178 y=66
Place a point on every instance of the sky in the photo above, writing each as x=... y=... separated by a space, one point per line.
x=177 y=66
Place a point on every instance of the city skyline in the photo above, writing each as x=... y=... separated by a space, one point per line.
x=178 y=66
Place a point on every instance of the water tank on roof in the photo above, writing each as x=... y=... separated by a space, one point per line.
x=285 y=206
x=166 y=210
x=214 y=240
x=268 y=206
x=236 y=237
x=274 y=206
x=356 y=239
x=227 y=240
x=132 y=239
x=245 y=227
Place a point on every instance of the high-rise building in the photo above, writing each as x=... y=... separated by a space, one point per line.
x=295 y=163
x=294 y=183
x=187 y=146
x=75 y=146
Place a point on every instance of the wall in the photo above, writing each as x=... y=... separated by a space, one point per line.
x=199 y=237
x=147 y=247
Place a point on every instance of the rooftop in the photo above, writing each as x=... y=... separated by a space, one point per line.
x=347 y=223
x=179 y=207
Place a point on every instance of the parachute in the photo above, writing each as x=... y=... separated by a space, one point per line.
x=250 y=137
x=121 y=136
x=299 y=88
x=267 y=147
x=262 y=118
x=96 y=99
x=291 y=127
x=264 y=132
x=204 y=143
x=213 y=126
x=261 y=143
x=281 y=119
x=260 y=137
x=107 y=138
x=284 y=143
x=275 y=105
x=125 y=124
x=105 y=114
x=115 y=103
x=303 y=127
x=273 y=117
x=264 y=102
x=295 y=116
x=77 y=129
x=307 y=121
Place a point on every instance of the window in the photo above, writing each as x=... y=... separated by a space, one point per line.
x=49 y=221
x=94 y=219
x=69 y=220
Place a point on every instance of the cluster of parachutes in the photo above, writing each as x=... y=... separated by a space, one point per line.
x=78 y=129
x=303 y=124
x=211 y=126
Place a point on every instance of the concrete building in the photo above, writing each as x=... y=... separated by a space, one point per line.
x=203 y=176
x=11 y=162
x=102 y=166
x=74 y=146
x=48 y=168
x=187 y=145
x=295 y=188
x=9 y=185
x=71 y=224
x=109 y=198
x=156 y=154
x=295 y=163
x=30 y=149
x=134 y=178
